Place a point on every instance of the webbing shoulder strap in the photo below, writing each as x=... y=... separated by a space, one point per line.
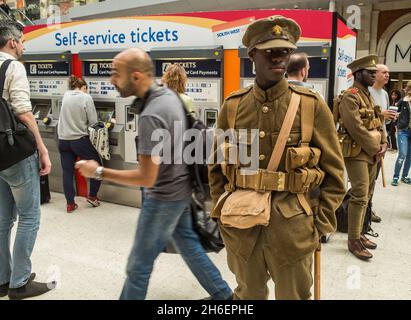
x=307 y=119
x=284 y=132
x=3 y=70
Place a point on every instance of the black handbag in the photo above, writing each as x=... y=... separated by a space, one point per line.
x=342 y=217
x=16 y=141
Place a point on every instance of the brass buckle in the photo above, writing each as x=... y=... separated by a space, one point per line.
x=281 y=181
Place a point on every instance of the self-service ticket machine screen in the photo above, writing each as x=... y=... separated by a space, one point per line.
x=111 y=108
x=204 y=68
x=48 y=75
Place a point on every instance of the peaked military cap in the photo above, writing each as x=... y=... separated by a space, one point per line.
x=272 y=32
x=367 y=63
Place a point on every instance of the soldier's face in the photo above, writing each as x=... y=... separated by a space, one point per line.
x=270 y=64
x=368 y=77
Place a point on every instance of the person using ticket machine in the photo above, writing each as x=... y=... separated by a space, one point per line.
x=77 y=114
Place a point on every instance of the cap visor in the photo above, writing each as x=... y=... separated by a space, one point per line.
x=371 y=68
x=276 y=43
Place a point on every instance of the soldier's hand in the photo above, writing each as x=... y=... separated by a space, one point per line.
x=389 y=114
x=381 y=153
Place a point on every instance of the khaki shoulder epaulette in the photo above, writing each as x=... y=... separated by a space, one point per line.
x=350 y=90
x=240 y=92
x=304 y=90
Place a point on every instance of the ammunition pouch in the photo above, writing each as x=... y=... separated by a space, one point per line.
x=349 y=147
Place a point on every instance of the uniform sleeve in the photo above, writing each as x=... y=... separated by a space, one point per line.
x=91 y=111
x=216 y=178
x=350 y=115
x=19 y=88
x=332 y=189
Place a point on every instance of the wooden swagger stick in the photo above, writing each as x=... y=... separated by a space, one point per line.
x=317 y=273
x=384 y=182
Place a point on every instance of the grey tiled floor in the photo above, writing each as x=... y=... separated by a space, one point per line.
x=87 y=253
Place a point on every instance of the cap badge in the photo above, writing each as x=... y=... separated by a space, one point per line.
x=277 y=30
x=373 y=61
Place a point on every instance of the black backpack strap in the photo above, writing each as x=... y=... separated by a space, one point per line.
x=10 y=122
x=3 y=70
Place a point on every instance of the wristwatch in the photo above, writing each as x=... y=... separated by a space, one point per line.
x=98 y=174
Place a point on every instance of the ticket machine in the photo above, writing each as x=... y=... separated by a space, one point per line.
x=48 y=75
x=204 y=67
x=318 y=57
x=110 y=106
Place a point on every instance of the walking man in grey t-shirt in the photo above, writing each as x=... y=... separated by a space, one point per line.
x=165 y=213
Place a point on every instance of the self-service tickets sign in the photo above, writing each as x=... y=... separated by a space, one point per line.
x=177 y=30
x=345 y=53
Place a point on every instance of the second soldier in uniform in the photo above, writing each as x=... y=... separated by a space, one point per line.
x=363 y=143
x=283 y=249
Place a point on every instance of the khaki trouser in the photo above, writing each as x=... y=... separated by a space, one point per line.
x=362 y=178
x=292 y=281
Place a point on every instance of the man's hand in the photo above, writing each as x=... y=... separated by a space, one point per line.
x=87 y=168
x=380 y=154
x=389 y=114
x=45 y=163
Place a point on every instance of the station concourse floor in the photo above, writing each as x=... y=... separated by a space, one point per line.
x=87 y=251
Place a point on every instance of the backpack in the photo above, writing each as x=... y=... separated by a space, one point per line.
x=342 y=217
x=16 y=141
x=98 y=134
x=206 y=228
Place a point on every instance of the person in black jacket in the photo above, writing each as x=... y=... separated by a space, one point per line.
x=404 y=139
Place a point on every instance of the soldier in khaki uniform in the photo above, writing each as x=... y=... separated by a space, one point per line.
x=364 y=143
x=283 y=249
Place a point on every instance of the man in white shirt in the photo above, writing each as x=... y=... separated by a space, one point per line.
x=381 y=99
x=20 y=183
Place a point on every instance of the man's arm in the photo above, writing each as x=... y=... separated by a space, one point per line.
x=216 y=178
x=332 y=189
x=145 y=175
x=19 y=93
x=45 y=164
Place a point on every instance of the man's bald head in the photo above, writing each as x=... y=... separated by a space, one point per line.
x=136 y=60
x=132 y=72
x=382 y=76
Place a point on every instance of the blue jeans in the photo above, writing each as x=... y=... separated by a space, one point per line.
x=19 y=196
x=160 y=222
x=404 y=153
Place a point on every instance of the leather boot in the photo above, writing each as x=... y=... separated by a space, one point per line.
x=356 y=248
x=375 y=218
x=367 y=242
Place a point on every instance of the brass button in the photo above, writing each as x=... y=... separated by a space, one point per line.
x=265 y=109
x=262 y=134
x=262 y=157
x=289 y=139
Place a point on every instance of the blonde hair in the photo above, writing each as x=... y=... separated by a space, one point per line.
x=175 y=78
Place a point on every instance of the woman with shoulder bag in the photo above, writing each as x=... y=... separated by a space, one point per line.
x=77 y=114
x=404 y=139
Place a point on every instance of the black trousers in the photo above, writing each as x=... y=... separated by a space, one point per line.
x=69 y=151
